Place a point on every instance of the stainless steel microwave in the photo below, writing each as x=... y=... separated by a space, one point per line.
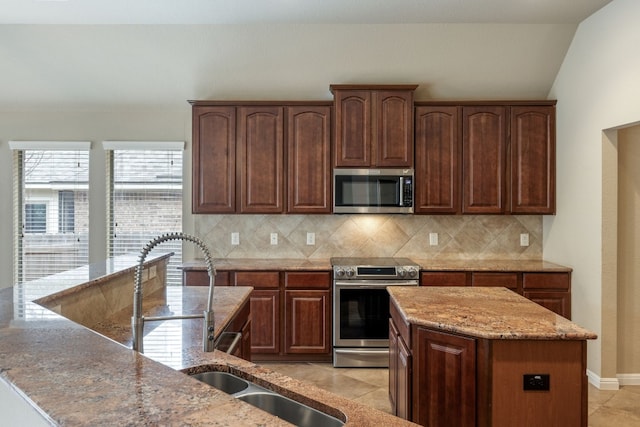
x=373 y=191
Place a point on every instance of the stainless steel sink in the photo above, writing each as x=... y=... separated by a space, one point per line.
x=289 y=410
x=223 y=381
x=269 y=401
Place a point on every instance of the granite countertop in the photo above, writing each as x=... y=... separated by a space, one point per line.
x=238 y=264
x=492 y=313
x=74 y=375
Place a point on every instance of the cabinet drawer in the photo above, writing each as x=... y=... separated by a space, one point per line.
x=257 y=279
x=201 y=278
x=307 y=279
x=443 y=278
x=507 y=280
x=560 y=281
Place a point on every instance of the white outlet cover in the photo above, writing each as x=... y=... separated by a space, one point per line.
x=524 y=239
x=311 y=239
x=274 y=238
x=433 y=239
x=235 y=238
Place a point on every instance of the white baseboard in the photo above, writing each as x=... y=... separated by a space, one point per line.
x=629 y=379
x=612 y=383
x=602 y=383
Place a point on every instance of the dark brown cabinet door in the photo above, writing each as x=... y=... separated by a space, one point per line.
x=444 y=389
x=214 y=159
x=403 y=406
x=392 y=144
x=550 y=290
x=393 y=367
x=437 y=172
x=260 y=159
x=484 y=159
x=374 y=125
x=265 y=321
x=307 y=322
x=309 y=159
x=444 y=278
x=353 y=128
x=533 y=160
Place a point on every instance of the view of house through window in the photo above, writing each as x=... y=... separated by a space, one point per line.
x=145 y=201
x=52 y=213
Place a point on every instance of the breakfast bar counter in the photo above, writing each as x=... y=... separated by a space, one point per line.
x=83 y=371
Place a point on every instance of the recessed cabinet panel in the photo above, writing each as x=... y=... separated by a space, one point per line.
x=214 y=160
x=307 y=322
x=393 y=127
x=261 y=156
x=309 y=159
x=533 y=160
x=437 y=173
x=444 y=378
x=484 y=159
x=353 y=128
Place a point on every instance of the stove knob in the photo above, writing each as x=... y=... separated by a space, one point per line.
x=402 y=272
x=413 y=272
x=339 y=272
x=350 y=272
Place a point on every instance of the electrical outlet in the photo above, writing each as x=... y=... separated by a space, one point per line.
x=433 y=239
x=274 y=238
x=311 y=239
x=235 y=238
x=524 y=239
x=537 y=382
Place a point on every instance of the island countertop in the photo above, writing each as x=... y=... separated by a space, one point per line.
x=74 y=375
x=483 y=312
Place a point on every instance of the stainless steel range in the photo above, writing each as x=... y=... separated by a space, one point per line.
x=361 y=307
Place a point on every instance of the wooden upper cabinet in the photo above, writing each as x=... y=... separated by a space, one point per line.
x=374 y=125
x=437 y=172
x=533 y=159
x=353 y=128
x=214 y=159
x=309 y=159
x=260 y=159
x=392 y=145
x=484 y=148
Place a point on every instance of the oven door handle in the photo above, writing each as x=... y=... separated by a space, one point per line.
x=369 y=285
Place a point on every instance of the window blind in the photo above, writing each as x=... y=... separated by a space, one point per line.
x=51 y=212
x=144 y=201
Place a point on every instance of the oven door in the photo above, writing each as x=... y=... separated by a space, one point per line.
x=361 y=312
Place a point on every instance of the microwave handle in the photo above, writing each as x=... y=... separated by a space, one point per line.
x=401 y=191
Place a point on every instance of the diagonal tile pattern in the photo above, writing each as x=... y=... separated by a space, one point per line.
x=459 y=236
x=620 y=408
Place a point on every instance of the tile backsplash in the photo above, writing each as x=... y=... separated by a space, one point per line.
x=459 y=236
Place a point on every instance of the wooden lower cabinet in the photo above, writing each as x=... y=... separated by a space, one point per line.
x=551 y=290
x=290 y=311
x=265 y=311
x=307 y=314
x=454 y=380
x=444 y=380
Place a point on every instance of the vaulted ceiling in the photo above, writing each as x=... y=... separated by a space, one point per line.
x=107 y=53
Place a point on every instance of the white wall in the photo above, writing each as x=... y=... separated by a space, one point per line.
x=597 y=89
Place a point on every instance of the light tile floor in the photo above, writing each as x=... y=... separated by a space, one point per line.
x=619 y=408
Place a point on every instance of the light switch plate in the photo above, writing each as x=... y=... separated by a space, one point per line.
x=274 y=238
x=235 y=238
x=524 y=239
x=433 y=239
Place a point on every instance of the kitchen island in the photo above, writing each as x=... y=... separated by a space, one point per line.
x=467 y=356
x=83 y=371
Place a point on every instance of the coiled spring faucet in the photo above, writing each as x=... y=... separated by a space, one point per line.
x=137 y=320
